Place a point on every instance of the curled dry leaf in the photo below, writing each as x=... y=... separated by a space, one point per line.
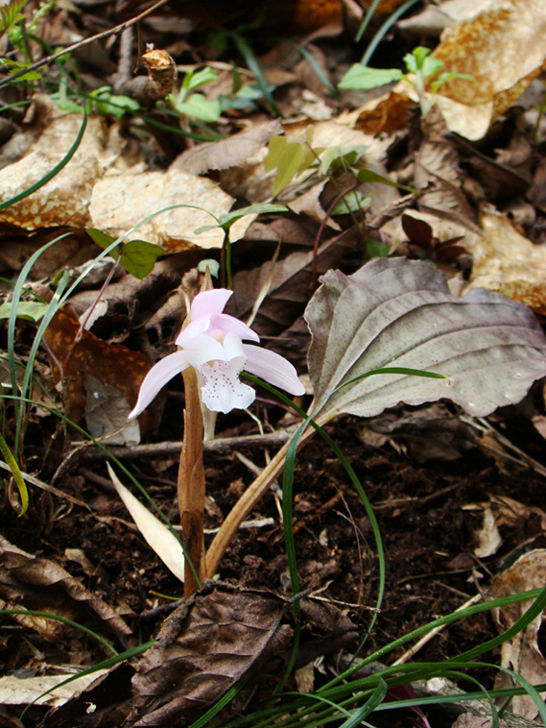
x=35 y=583
x=522 y=653
x=230 y=152
x=399 y=313
x=94 y=374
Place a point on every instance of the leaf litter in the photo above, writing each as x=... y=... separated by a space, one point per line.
x=468 y=192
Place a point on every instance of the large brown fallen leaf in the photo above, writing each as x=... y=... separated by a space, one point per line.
x=224 y=633
x=101 y=380
x=506 y=262
x=96 y=189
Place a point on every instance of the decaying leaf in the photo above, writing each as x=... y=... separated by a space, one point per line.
x=399 y=313
x=39 y=584
x=503 y=47
x=93 y=374
x=522 y=653
x=229 y=152
x=210 y=642
x=506 y=262
x=24 y=690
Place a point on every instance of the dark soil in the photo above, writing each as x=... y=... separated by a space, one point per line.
x=427 y=534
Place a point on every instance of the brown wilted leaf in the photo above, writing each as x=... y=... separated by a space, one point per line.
x=230 y=152
x=506 y=262
x=202 y=650
x=35 y=583
x=522 y=653
x=99 y=378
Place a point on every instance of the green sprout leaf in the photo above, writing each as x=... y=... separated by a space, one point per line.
x=29 y=310
x=363 y=78
x=290 y=159
x=137 y=257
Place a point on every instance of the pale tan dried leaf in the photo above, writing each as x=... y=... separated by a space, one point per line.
x=121 y=202
x=503 y=47
x=37 y=583
x=489 y=538
x=471 y=720
x=506 y=262
x=230 y=152
x=23 y=690
x=522 y=653
x=156 y=533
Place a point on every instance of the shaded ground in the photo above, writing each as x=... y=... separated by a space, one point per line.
x=427 y=533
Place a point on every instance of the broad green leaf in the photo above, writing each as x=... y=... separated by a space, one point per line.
x=102 y=239
x=198 y=107
x=30 y=310
x=363 y=78
x=399 y=313
x=138 y=257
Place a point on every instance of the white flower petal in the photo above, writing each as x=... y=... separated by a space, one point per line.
x=230 y=325
x=157 y=377
x=209 y=302
x=203 y=348
x=272 y=367
x=222 y=390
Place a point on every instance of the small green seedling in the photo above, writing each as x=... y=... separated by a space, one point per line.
x=420 y=68
x=137 y=256
x=193 y=104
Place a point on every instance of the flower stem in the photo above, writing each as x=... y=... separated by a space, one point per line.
x=191 y=486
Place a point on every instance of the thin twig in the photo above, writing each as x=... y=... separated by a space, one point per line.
x=220 y=445
x=81 y=43
x=433 y=632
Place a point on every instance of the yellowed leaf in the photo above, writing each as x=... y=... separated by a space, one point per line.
x=503 y=46
x=506 y=262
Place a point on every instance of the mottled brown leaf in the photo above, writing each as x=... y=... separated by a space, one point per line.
x=28 y=582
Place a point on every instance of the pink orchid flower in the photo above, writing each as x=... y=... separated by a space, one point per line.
x=212 y=344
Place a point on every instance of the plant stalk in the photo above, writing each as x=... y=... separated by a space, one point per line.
x=191 y=486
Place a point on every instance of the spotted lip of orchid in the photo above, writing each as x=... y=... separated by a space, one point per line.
x=212 y=343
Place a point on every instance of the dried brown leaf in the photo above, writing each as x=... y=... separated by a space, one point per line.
x=522 y=653
x=230 y=152
x=39 y=584
x=506 y=262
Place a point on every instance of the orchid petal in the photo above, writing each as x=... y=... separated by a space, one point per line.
x=222 y=390
x=194 y=328
x=272 y=367
x=231 y=325
x=209 y=302
x=157 y=377
x=203 y=348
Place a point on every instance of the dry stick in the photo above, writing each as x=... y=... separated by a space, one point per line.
x=69 y=49
x=244 y=505
x=191 y=486
x=433 y=632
